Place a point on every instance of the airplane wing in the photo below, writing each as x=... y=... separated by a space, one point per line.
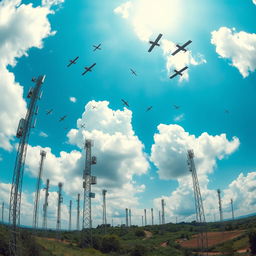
x=175 y=52
x=84 y=72
x=171 y=77
x=76 y=58
x=183 y=69
x=69 y=64
x=158 y=38
x=92 y=65
x=187 y=43
x=151 y=48
x=154 y=44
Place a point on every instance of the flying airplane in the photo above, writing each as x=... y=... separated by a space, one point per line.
x=33 y=79
x=178 y=72
x=93 y=107
x=88 y=69
x=82 y=125
x=181 y=48
x=62 y=118
x=176 y=107
x=96 y=47
x=149 y=108
x=155 y=43
x=133 y=72
x=125 y=102
x=48 y=112
x=73 y=61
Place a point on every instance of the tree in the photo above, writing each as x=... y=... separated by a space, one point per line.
x=252 y=242
x=110 y=243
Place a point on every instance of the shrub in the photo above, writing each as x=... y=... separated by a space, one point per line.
x=110 y=243
x=139 y=250
x=252 y=242
x=139 y=233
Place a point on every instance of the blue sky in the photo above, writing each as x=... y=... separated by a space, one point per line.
x=211 y=86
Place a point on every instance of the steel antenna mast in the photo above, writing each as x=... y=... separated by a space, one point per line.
x=200 y=216
x=70 y=215
x=60 y=201
x=163 y=212
x=220 y=205
x=88 y=195
x=38 y=186
x=45 y=206
x=23 y=133
x=78 y=213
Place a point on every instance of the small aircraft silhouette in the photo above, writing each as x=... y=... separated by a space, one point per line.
x=33 y=79
x=62 y=118
x=93 y=107
x=88 y=69
x=181 y=48
x=73 y=61
x=82 y=125
x=176 y=107
x=97 y=47
x=48 y=112
x=178 y=72
x=125 y=102
x=155 y=43
x=149 y=108
x=133 y=72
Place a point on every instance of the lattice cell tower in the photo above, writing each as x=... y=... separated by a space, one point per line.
x=78 y=212
x=145 y=217
x=232 y=209
x=104 y=214
x=38 y=186
x=23 y=133
x=160 y=218
x=2 y=212
x=130 y=217
x=202 y=240
x=88 y=195
x=163 y=212
x=220 y=205
x=70 y=215
x=152 y=216
x=60 y=201
x=45 y=206
x=126 y=217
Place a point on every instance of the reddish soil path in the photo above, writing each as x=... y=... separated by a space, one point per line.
x=148 y=234
x=214 y=238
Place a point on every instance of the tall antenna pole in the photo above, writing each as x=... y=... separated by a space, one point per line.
x=38 y=186
x=88 y=195
x=142 y=222
x=45 y=206
x=163 y=213
x=152 y=216
x=220 y=205
x=145 y=216
x=60 y=201
x=160 y=218
x=126 y=217
x=232 y=209
x=70 y=215
x=104 y=215
x=2 y=212
x=23 y=133
x=130 y=217
x=78 y=212
x=200 y=217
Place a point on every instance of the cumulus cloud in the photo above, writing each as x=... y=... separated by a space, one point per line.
x=43 y=134
x=254 y=1
x=169 y=154
x=239 y=47
x=148 y=17
x=119 y=154
x=21 y=28
x=72 y=99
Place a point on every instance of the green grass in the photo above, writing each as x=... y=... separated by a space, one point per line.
x=61 y=249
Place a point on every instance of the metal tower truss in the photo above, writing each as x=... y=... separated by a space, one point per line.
x=78 y=213
x=220 y=205
x=70 y=215
x=152 y=215
x=45 y=206
x=2 y=212
x=145 y=217
x=200 y=216
x=163 y=212
x=38 y=186
x=232 y=209
x=23 y=133
x=130 y=217
x=88 y=195
x=60 y=201
x=126 y=217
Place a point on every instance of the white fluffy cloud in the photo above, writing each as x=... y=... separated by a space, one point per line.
x=119 y=155
x=148 y=18
x=21 y=28
x=72 y=99
x=168 y=152
x=239 y=47
x=254 y=1
x=50 y=3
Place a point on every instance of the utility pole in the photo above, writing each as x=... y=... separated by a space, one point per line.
x=2 y=212
x=160 y=218
x=163 y=213
x=104 y=216
x=23 y=133
x=232 y=209
x=220 y=205
x=70 y=215
x=152 y=216
x=88 y=195
x=60 y=201
x=45 y=206
x=202 y=240
x=78 y=213
x=130 y=217
x=38 y=186
x=145 y=216
x=126 y=217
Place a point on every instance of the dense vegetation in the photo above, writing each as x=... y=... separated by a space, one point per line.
x=134 y=241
